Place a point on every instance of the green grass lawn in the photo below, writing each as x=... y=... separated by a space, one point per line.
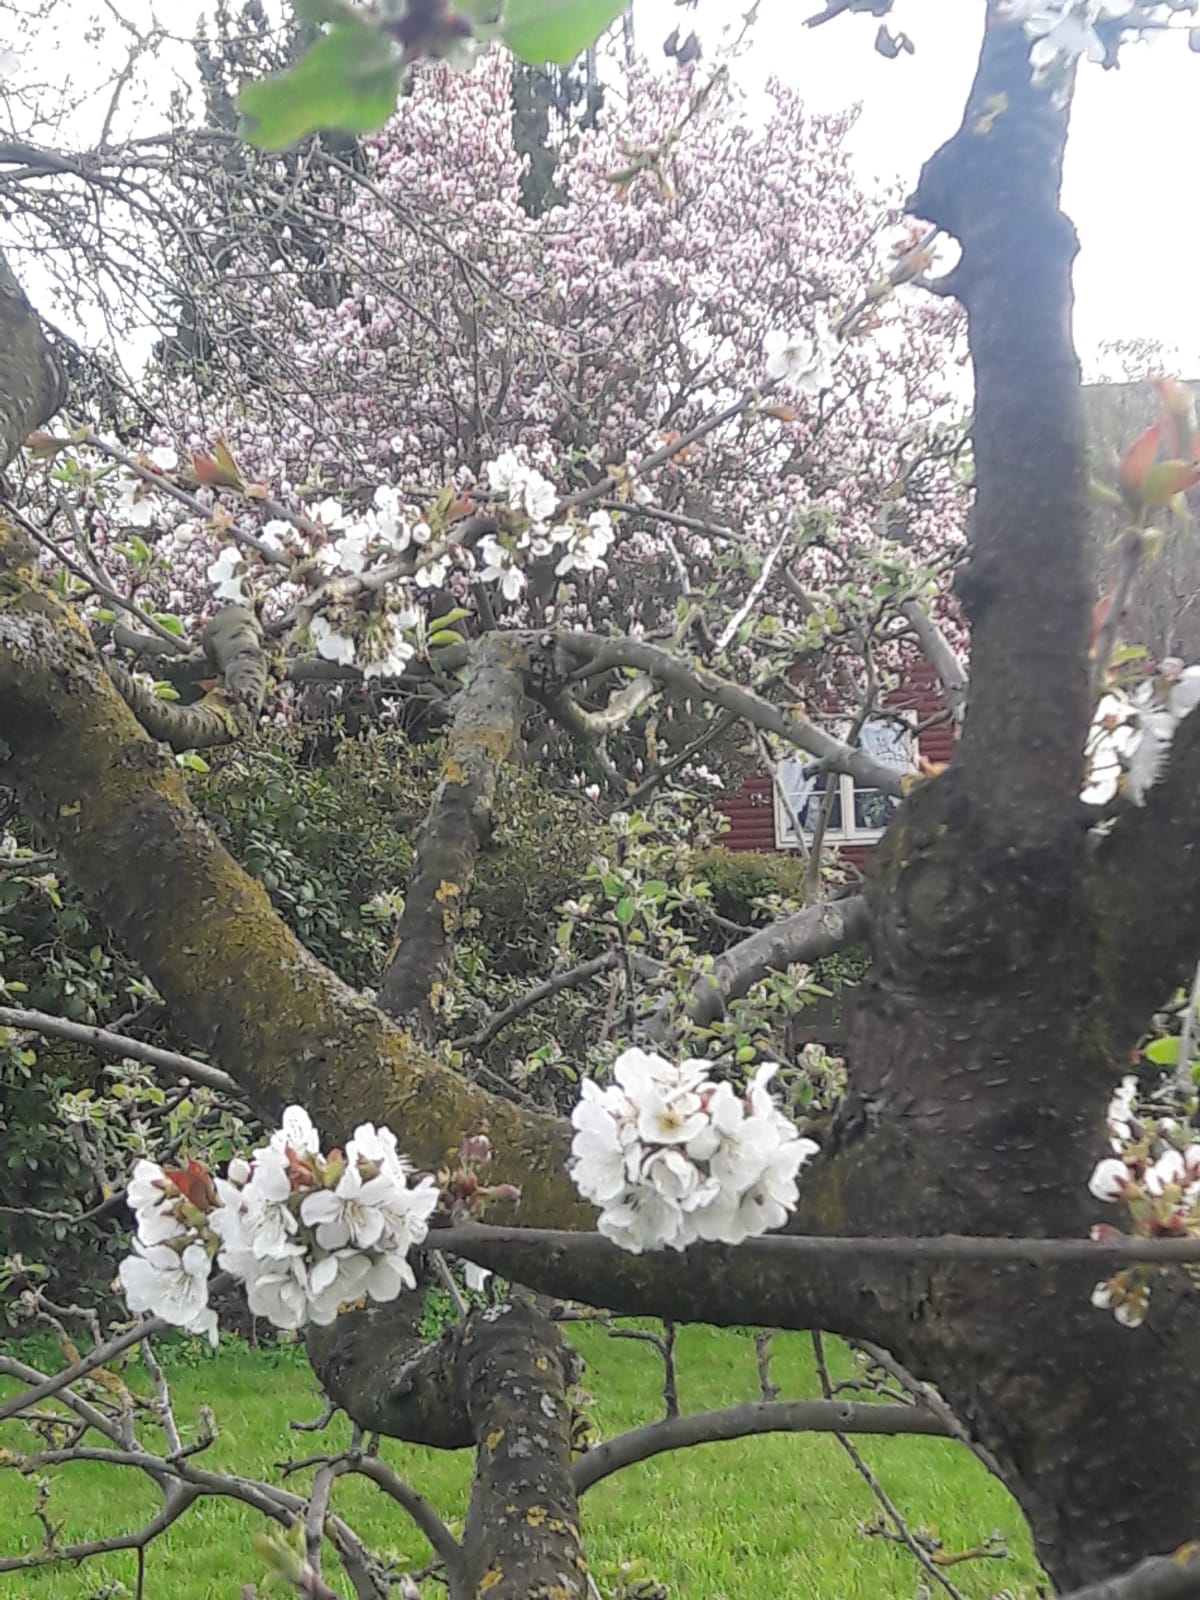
x=757 y=1519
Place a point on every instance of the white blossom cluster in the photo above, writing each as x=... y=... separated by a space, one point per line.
x=672 y=1157
x=1159 y=1183
x=1160 y=708
x=1062 y=32
x=803 y=361
x=303 y=1232
x=581 y=547
x=1133 y=733
x=358 y=544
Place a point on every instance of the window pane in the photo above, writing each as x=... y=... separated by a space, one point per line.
x=891 y=744
x=802 y=798
x=873 y=809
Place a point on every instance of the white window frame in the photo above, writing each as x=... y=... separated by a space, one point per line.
x=848 y=832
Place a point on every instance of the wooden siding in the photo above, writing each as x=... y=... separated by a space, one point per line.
x=751 y=811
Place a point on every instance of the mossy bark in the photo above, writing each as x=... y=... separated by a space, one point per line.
x=484 y=735
x=522 y=1539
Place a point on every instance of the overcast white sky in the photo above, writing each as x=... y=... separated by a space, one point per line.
x=1131 y=171
x=1131 y=158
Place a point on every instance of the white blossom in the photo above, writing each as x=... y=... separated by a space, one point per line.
x=431 y=570
x=1119 y=1115
x=406 y=1213
x=276 y=532
x=1169 y=1168
x=1063 y=32
x=172 y=1285
x=378 y=1146
x=1150 y=754
x=643 y=1220
x=389 y=524
x=331 y=645
x=296 y=1132
x=278 y=1291
x=525 y=489
x=303 y=1233
x=1110 y=1179
x=802 y=360
x=349 y=1213
x=152 y=1198
x=1184 y=694
x=332 y=1281
x=391 y=651
x=350 y=550
x=498 y=565
x=589 y=546
x=265 y=1205
x=330 y=515
x=134 y=507
x=224 y=573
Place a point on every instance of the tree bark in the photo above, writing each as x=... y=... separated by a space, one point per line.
x=32 y=385
x=484 y=735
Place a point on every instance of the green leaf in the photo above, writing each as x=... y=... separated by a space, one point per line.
x=171 y=623
x=347 y=81
x=1163 y=1052
x=444 y=636
x=166 y=691
x=556 y=30
x=624 y=911
x=193 y=762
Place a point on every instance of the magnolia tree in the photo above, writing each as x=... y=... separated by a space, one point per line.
x=656 y=446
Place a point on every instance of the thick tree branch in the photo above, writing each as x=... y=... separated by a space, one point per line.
x=808 y=935
x=521 y=1540
x=1174 y=1577
x=741 y=1422
x=388 y=1377
x=995 y=187
x=237 y=981
x=233 y=645
x=941 y=656
x=484 y=735
x=623 y=705
x=485 y=1243
x=214 y=721
x=594 y=653
x=32 y=385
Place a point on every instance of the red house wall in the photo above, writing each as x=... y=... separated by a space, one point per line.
x=751 y=811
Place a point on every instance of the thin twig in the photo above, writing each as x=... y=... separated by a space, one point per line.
x=118 y=1044
x=903 y=1532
